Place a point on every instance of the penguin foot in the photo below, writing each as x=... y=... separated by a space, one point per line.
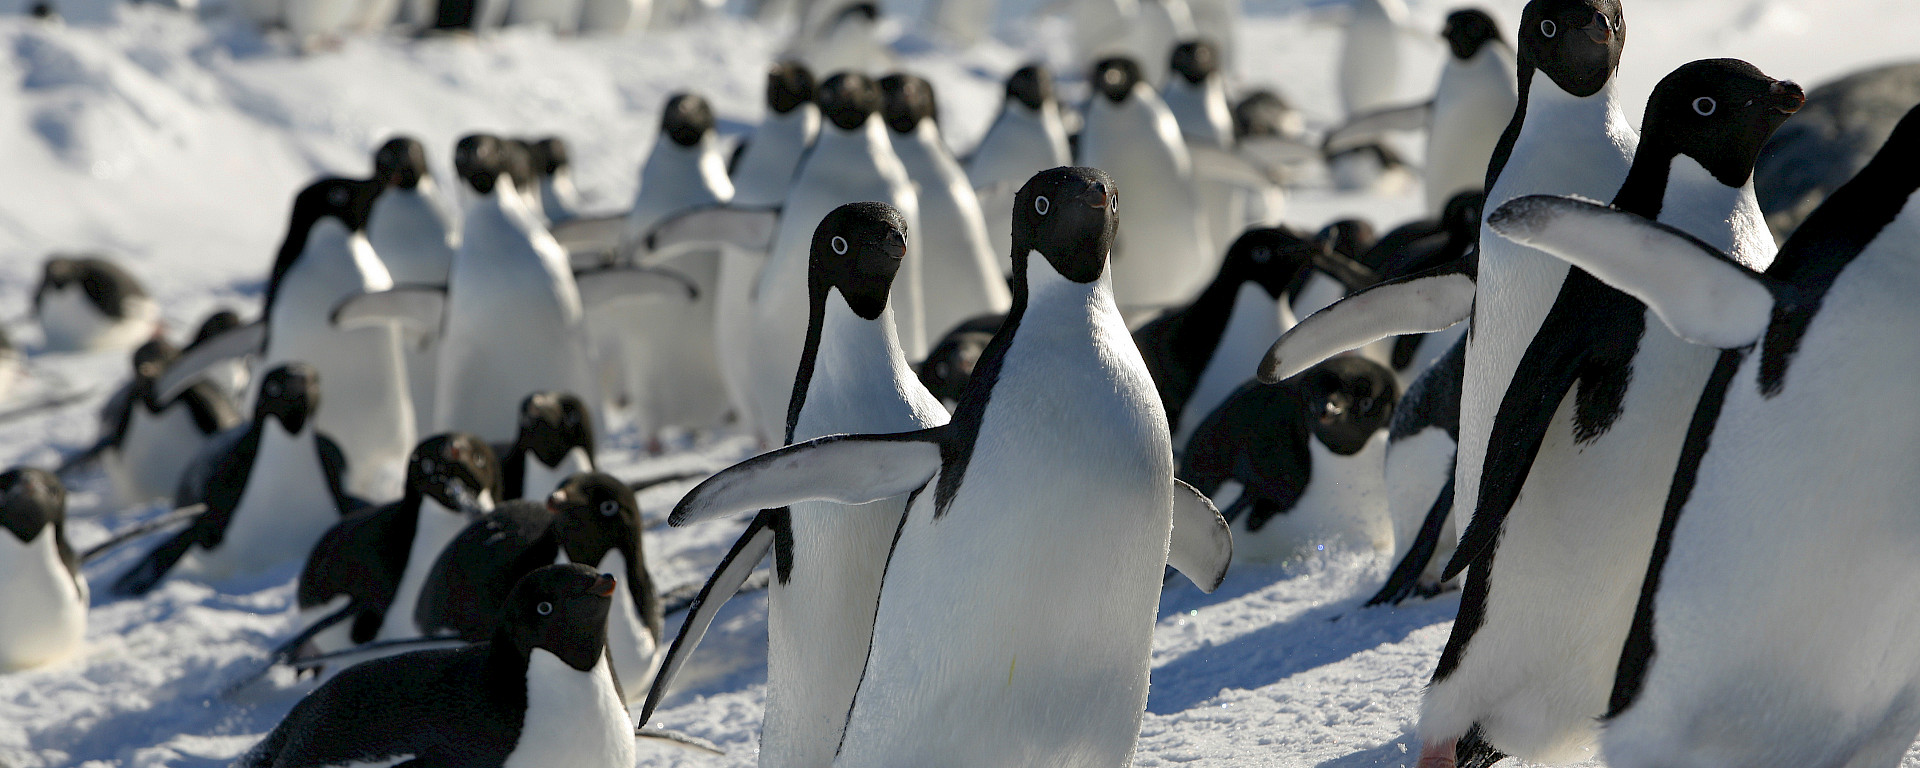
x=1437 y=754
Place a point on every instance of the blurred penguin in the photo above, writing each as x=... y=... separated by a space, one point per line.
x=1027 y=137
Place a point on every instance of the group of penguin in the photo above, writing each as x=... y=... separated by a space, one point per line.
x=1638 y=428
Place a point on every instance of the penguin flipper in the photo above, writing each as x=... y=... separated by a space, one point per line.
x=842 y=469
x=417 y=307
x=747 y=552
x=192 y=364
x=1702 y=295
x=1202 y=546
x=1420 y=303
x=750 y=229
x=1372 y=127
x=620 y=285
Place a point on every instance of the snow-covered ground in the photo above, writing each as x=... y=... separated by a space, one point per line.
x=175 y=145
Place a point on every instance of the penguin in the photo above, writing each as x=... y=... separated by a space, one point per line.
x=1217 y=22
x=1054 y=675
x=611 y=17
x=1419 y=246
x=539 y=692
x=1422 y=440
x=87 y=303
x=145 y=443
x=1199 y=354
x=1156 y=29
x=1164 y=259
x=1340 y=246
x=416 y=241
x=1771 y=628
x=1369 y=68
x=1843 y=124
x=269 y=497
x=526 y=180
x=1196 y=96
x=955 y=253
x=851 y=161
x=1271 y=134
x=1026 y=137
x=555 y=443
x=763 y=170
x=559 y=199
x=840 y=36
x=43 y=610
x=828 y=558
x=590 y=520
x=325 y=259
x=1308 y=457
x=949 y=366
x=231 y=379
x=376 y=560
x=684 y=170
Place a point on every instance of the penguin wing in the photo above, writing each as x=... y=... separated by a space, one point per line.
x=192 y=364
x=750 y=229
x=418 y=307
x=842 y=469
x=1702 y=295
x=470 y=579
x=1419 y=303
x=725 y=582
x=621 y=285
x=1372 y=127
x=1201 y=545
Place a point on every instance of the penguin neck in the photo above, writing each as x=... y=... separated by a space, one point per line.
x=688 y=176
x=840 y=346
x=1544 y=107
x=1644 y=192
x=864 y=144
x=1228 y=302
x=925 y=135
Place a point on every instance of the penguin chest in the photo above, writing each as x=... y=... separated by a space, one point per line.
x=410 y=235
x=153 y=452
x=43 y=610
x=286 y=506
x=71 y=321
x=434 y=528
x=573 y=718
x=541 y=479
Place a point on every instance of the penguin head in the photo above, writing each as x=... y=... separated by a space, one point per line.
x=857 y=249
x=1461 y=215
x=789 y=85
x=1348 y=399
x=401 y=162
x=217 y=323
x=907 y=100
x=1720 y=112
x=1031 y=85
x=456 y=469
x=289 y=393
x=1114 y=77
x=848 y=99
x=346 y=200
x=561 y=609
x=1576 y=42
x=549 y=156
x=1348 y=237
x=153 y=358
x=480 y=159
x=1468 y=30
x=687 y=119
x=593 y=514
x=1263 y=114
x=1196 y=60
x=1070 y=217
x=1271 y=257
x=105 y=282
x=949 y=366
x=31 y=499
x=551 y=424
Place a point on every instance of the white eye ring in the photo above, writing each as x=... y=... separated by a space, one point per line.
x=1548 y=28
x=543 y=608
x=608 y=508
x=839 y=245
x=1042 y=205
x=1704 y=106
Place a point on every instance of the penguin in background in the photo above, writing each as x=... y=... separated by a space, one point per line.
x=1272 y=135
x=1339 y=269
x=539 y=690
x=43 y=610
x=1198 y=100
x=561 y=16
x=955 y=253
x=233 y=378
x=1369 y=67
x=1026 y=137
x=1422 y=440
x=1419 y=246
x=949 y=367
x=269 y=496
x=555 y=443
x=88 y=303
x=1196 y=96
x=1218 y=22
x=1157 y=28
x=146 y=443
x=526 y=180
x=840 y=36
x=613 y=16
x=763 y=169
x=559 y=199
x=415 y=240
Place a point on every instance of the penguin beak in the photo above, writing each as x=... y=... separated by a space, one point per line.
x=557 y=500
x=1787 y=96
x=603 y=586
x=1601 y=30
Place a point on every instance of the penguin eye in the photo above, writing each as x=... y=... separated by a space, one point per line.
x=1548 y=28
x=1041 y=205
x=609 y=508
x=1704 y=106
x=839 y=245
x=543 y=608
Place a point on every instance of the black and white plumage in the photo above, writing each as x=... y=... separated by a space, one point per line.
x=146 y=443
x=89 y=303
x=555 y=442
x=43 y=607
x=949 y=366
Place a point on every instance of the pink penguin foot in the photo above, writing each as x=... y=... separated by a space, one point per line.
x=1437 y=754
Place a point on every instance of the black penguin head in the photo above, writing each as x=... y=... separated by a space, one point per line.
x=1467 y=30
x=1263 y=114
x=908 y=100
x=401 y=162
x=593 y=514
x=1196 y=60
x=1348 y=399
x=518 y=155
x=1031 y=85
x=687 y=119
x=1070 y=217
x=1348 y=237
x=1115 y=77
x=290 y=393
x=30 y=500
x=1720 y=112
x=561 y=609
x=453 y=469
x=1575 y=42
x=857 y=249
x=848 y=99
x=1272 y=257
x=789 y=85
x=153 y=358
x=1461 y=214
x=480 y=159
x=549 y=156
x=217 y=323
x=551 y=424
x=949 y=367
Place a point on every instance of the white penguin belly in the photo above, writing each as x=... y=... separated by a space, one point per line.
x=1344 y=506
x=765 y=172
x=956 y=263
x=285 y=508
x=435 y=527
x=70 y=321
x=43 y=611
x=1255 y=322
x=1164 y=259
x=1418 y=467
x=538 y=480
x=573 y=718
x=153 y=453
x=1471 y=109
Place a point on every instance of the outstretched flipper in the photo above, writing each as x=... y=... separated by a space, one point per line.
x=1404 y=582
x=749 y=229
x=1423 y=302
x=419 y=308
x=1202 y=546
x=192 y=364
x=842 y=469
x=619 y=285
x=1372 y=128
x=1702 y=295
x=183 y=514
x=747 y=552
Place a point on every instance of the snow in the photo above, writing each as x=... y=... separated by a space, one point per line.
x=175 y=145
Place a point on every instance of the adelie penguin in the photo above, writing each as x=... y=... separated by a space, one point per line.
x=1774 y=627
x=828 y=558
x=553 y=166
x=763 y=170
x=373 y=563
x=1196 y=96
x=1027 y=137
x=1059 y=447
x=539 y=692
x=145 y=442
x=269 y=496
x=415 y=240
x=555 y=443
x=86 y=303
x=43 y=610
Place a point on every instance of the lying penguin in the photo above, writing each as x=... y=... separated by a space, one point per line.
x=87 y=303
x=145 y=442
